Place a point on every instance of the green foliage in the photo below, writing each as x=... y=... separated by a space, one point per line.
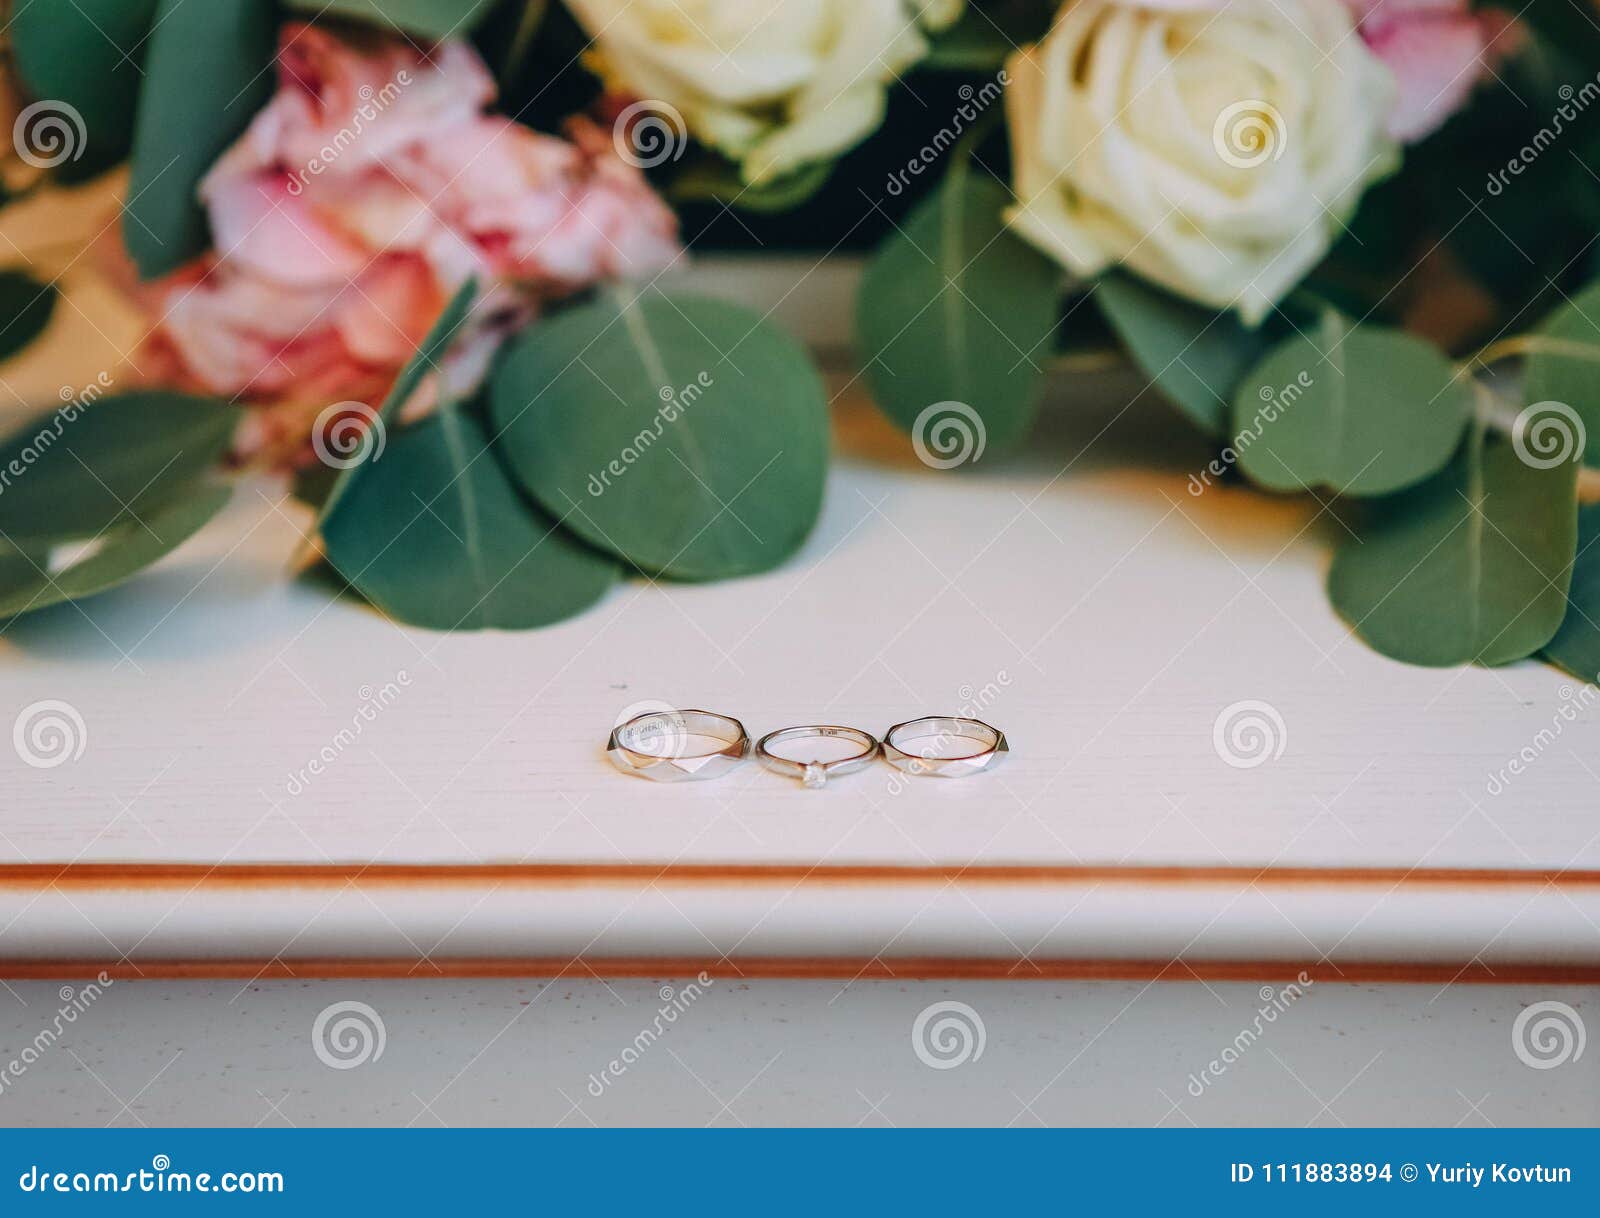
x=1576 y=646
x=712 y=178
x=954 y=307
x=436 y=535
x=686 y=436
x=987 y=34
x=426 y=359
x=25 y=309
x=425 y=18
x=127 y=474
x=208 y=70
x=87 y=54
x=1564 y=364
x=1363 y=410
x=82 y=469
x=27 y=583
x=1472 y=566
x=1195 y=354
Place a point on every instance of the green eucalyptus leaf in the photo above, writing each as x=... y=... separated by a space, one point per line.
x=1564 y=364
x=987 y=35
x=1364 y=410
x=19 y=566
x=85 y=467
x=685 y=435
x=1471 y=566
x=313 y=484
x=25 y=309
x=712 y=178
x=208 y=70
x=116 y=555
x=84 y=54
x=436 y=535
x=1576 y=646
x=1194 y=354
x=427 y=18
x=426 y=359
x=955 y=308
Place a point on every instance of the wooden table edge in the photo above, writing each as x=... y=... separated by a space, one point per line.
x=276 y=875
x=809 y=968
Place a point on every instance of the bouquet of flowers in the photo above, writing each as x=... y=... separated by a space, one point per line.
x=416 y=254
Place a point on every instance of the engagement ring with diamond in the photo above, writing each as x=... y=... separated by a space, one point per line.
x=814 y=774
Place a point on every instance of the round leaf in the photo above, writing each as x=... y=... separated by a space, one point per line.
x=76 y=472
x=1568 y=369
x=1196 y=355
x=685 y=435
x=1471 y=566
x=434 y=534
x=208 y=71
x=25 y=309
x=954 y=307
x=1576 y=646
x=1361 y=409
x=86 y=55
x=427 y=18
x=425 y=360
x=117 y=554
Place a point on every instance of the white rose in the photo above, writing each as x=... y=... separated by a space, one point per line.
x=771 y=84
x=1213 y=146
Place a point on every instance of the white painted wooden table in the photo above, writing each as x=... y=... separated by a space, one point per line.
x=1098 y=613
x=535 y=1052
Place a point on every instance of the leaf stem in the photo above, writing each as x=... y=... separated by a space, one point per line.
x=1530 y=344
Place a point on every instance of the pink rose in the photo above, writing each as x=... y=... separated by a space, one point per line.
x=1438 y=51
x=361 y=197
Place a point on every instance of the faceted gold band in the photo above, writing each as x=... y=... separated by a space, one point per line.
x=655 y=745
x=814 y=774
x=960 y=746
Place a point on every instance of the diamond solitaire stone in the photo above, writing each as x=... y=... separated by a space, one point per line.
x=813 y=776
